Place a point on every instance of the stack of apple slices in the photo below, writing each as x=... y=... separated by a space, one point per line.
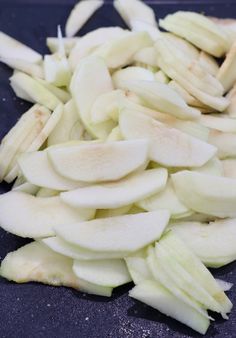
x=124 y=168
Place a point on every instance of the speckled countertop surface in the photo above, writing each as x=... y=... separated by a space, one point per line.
x=33 y=310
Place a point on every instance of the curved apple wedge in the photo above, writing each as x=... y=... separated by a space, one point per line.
x=154 y=294
x=212 y=195
x=116 y=233
x=106 y=272
x=169 y=147
x=99 y=162
x=213 y=243
x=117 y=194
x=34 y=262
x=35 y=217
x=37 y=169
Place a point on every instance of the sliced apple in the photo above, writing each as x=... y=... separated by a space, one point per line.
x=57 y=70
x=80 y=14
x=31 y=90
x=94 y=289
x=88 y=43
x=116 y=233
x=85 y=91
x=219 y=122
x=165 y=199
x=226 y=73
x=208 y=194
x=137 y=10
x=37 y=169
x=192 y=264
x=213 y=243
x=138 y=269
x=120 y=193
x=104 y=272
x=161 y=97
x=27 y=67
x=142 y=26
x=160 y=274
x=53 y=44
x=119 y=52
x=157 y=296
x=35 y=217
x=212 y=167
x=132 y=73
x=168 y=146
x=9 y=48
x=225 y=143
x=146 y=56
x=99 y=162
x=16 y=136
x=36 y=263
x=76 y=252
x=104 y=213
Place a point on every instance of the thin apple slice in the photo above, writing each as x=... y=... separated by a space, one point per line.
x=161 y=97
x=165 y=199
x=27 y=67
x=112 y=195
x=213 y=242
x=219 y=122
x=209 y=63
x=137 y=10
x=116 y=233
x=138 y=269
x=142 y=26
x=99 y=162
x=37 y=169
x=94 y=289
x=226 y=73
x=85 y=91
x=74 y=251
x=80 y=14
x=104 y=272
x=160 y=273
x=35 y=217
x=192 y=264
x=146 y=56
x=36 y=263
x=212 y=167
x=185 y=281
x=168 y=146
x=229 y=167
x=16 y=136
x=88 y=43
x=119 y=52
x=9 y=48
x=157 y=296
x=31 y=90
x=208 y=194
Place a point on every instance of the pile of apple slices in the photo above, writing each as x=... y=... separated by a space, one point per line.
x=124 y=168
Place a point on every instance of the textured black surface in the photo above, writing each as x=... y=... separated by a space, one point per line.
x=33 y=310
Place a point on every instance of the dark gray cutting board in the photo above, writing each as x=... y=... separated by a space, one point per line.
x=33 y=310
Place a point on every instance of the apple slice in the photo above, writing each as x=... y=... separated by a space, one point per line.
x=85 y=91
x=116 y=233
x=221 y=123
x=61 y=93
x=160 y=274
x=159 y=96
x=36 y=263
x=53 y=44
x=94 y=289
x=131 y=73
x=37 y=169
x=9 y=48
x=213 y=243
x=120 y=193
x=226 y=73
x=35 y=217
x=192 y=264
x=157 y=296
x=119 y=52
x=99 y=162
x=212 y=167
x=229 y=167
x=138 y=269
x=185 y=280
x=165 y=199
x=168 y=146
x=146 y=56
x=74 y=251
x=80 y=15
x=27 y=67
x=208 y=194
x=29 y=89
x=105 y=272
x=137 y=10
x=34 y=117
